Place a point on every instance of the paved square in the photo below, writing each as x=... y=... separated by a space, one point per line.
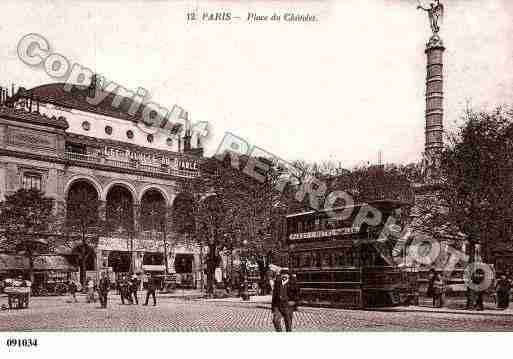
x=175 y=314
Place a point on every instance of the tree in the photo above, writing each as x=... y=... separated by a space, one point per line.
x=478 y=178
x=26 y=217
x=83 y=223
x=237 y=209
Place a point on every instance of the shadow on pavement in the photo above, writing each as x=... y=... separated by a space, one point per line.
x=486 y=312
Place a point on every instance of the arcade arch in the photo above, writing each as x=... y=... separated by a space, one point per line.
x=120 y=209
x=153 y=210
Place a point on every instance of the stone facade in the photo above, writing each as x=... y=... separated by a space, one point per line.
x=52 y=148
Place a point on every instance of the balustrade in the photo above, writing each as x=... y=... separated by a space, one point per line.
x=75 y=156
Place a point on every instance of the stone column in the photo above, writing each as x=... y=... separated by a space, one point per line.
x=168 y=243
x=137 y=214
x=434 y=102
x=102 y=210
x=99 y=262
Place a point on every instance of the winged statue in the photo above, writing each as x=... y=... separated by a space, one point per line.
x=435 y=13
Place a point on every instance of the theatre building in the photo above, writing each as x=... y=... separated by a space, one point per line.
x=58 y=142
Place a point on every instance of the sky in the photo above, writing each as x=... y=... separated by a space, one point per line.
x=341 y=88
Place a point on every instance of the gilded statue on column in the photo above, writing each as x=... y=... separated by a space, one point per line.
x=435 y=13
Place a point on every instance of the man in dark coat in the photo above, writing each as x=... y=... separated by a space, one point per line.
x=134 y=287
x=103 y=290
x=124 y=290
x=283 y=301
x=73 y=290
x=152 y=287
x=503 y=291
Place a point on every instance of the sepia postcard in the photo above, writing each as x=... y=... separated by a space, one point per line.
x=255 y=166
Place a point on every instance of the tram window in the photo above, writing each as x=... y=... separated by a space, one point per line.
x=347 y=257
x=326 y=259
x=340 y=258
x=350 y=258
x=295 y=261
x=300 y=260
x=299 y=226
x=356 y=258
x=317 y=224
x=317 y=259
x=308 y=260
x=333 y=258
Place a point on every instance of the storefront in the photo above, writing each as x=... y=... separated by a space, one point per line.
x=122 y=255
x=51 y=272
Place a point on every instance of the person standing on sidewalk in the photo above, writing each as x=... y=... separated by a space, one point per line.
x=503 y=289
x=73 y=290
x=283 y=301
x=103 y=290
x=438 y=291
x=124 y=290
x=90 y=290
x=152 y=287
x=134 y=287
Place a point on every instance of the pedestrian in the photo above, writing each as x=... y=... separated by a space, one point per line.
x=503 y=289
x=103 y=290
x=477 y=279
x=90 y=290
x=283 y=301
x=152 y=287
x=470 y=298
x=134 y=287
x=73 y=290
x=124 y=290
x=479 y=300
x=438 y=291
x=227 y=285
x=27 y=283
x=431 y=283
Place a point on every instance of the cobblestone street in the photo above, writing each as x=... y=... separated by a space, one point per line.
x=175 y=314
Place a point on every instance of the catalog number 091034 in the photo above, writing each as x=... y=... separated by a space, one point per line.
x=21 y=342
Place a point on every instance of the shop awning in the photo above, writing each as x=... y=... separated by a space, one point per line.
x=10 y=262
x=154 y=268
x=53 y=262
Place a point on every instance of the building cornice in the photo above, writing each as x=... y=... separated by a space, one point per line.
x=91 y=165
x=100 y=142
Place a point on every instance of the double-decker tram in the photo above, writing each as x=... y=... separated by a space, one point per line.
x=340 y=259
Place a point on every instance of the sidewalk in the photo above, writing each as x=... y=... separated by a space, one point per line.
x=187 y=294
x=451 y=306
x=257 y=299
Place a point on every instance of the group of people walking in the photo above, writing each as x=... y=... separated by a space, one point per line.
x=127 y=287
x=475 y=298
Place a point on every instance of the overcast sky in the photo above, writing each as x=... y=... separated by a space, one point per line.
x=341 y=88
